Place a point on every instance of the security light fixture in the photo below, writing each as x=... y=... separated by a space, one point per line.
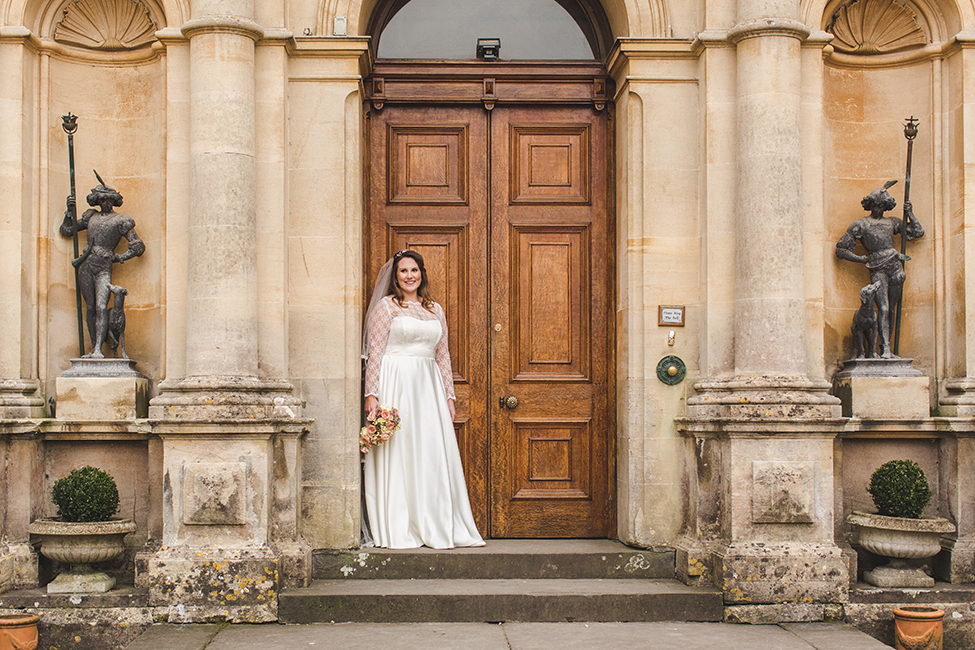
x=488 y=49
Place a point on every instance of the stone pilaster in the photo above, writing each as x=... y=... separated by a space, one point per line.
x=958 y=464
x=21 y=472
x=19 y=388
x=958 y=399
x=957 y=394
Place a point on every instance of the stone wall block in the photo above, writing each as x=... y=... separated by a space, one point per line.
x=778 y=573
x=206 y=584
x=6 y=568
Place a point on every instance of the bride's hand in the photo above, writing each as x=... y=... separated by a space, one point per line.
x=371 y=403
x=453 y=411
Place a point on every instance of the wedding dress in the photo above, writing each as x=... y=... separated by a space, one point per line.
x=415 y=491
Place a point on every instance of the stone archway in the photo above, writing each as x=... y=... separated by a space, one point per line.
x=627 y=18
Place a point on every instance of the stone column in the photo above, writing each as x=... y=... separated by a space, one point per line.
x=221 y=339
x=770 y=365
x=19 y=387
x=763 y=452
x=230 y=434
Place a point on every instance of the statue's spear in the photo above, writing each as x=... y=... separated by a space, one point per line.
x=910 y=132
x=70 y=125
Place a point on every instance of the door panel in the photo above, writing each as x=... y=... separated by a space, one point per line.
x=428 y=192
x=509 y=209
x=550 y=453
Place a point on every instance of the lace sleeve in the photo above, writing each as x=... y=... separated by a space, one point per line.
x=378 y=334
x=443 y=355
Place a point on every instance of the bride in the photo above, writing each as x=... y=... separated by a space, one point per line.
x=414 y=483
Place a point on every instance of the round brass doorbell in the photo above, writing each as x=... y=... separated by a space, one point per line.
x=671 y=370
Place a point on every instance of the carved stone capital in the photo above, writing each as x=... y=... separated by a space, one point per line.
x=758 y=27
x=223 y=24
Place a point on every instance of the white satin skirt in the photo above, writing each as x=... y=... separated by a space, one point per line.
x=414 y=487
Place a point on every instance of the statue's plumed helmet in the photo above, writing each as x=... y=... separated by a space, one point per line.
x=880 y=197
x=103 y=192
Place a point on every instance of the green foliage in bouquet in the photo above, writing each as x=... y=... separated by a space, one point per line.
x=900 y=489
x=86 y=494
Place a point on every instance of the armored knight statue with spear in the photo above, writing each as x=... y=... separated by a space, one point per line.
x=885 y=263
x=105 y=229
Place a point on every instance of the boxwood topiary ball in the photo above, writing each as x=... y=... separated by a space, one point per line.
x=86 y=494
x=900 y=489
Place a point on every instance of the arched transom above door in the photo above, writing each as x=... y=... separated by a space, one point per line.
x=625 y=18
x=490 y=29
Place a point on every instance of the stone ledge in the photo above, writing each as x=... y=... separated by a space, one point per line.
x=941 y=593
x=123 y=597
x=782 y=613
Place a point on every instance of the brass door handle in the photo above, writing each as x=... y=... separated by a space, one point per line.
x=510 y=402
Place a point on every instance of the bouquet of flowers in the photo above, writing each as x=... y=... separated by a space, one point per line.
x=381 y=423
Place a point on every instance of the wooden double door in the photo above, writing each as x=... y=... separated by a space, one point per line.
x=509 y=208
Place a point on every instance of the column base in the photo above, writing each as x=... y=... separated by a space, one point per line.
x=960 y=399
x=761 y=572
x=763 y=397
x=224 y=398
x=201 y=585
x=20 y=399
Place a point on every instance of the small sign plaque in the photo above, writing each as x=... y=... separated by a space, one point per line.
x=672 y=315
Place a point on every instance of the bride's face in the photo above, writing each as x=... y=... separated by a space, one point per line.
x=408 y=275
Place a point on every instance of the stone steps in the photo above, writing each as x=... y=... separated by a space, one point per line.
x=507 y=580
x=500 y=559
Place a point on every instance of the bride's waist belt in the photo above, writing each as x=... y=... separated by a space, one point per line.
x=420 y=351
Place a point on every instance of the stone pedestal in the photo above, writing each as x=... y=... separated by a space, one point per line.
x=882 y=389
x=761 y=526
x=81 y=583
x=231 y=539
x=212 y=584
x=898 y=574
x=102 y=389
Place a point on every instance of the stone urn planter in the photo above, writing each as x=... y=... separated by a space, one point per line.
x=81 y=544
x=84 y=532
x=900 y=539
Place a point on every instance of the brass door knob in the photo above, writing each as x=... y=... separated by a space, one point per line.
x=509 y=402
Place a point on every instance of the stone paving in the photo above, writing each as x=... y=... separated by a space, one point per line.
x=508 y=636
